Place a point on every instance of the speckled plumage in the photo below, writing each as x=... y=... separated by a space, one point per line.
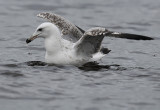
x=97 y=31
x=65 y=26
x=66 y=43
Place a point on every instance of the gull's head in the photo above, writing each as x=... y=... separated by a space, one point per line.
x=44 y=30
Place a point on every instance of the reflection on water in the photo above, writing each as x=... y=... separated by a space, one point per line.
x=127 y=78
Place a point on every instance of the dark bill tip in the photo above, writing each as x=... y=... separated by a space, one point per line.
x=28 y=41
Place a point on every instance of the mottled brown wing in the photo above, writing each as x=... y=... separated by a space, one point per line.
x=70 y=31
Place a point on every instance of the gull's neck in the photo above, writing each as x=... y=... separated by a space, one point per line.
x=53 y=42
x=58 y=50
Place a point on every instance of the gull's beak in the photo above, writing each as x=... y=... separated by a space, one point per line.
x=31 y=38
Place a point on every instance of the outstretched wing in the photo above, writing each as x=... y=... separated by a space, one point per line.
x=70 y=31
x=90 y=42
x=130 y=36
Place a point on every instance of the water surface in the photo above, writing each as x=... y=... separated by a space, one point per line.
x=131 y=83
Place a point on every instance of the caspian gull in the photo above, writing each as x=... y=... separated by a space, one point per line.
x=66 y=43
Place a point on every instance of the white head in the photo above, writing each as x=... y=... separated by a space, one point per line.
x=44 y=30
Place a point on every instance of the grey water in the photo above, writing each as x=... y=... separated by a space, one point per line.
x=131 y=83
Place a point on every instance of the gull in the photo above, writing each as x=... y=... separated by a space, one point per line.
x=67 y=44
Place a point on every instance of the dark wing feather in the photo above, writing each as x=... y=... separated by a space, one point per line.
x=130 y=36
x=81 y=29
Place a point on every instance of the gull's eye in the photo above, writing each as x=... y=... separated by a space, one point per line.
x=40 y=29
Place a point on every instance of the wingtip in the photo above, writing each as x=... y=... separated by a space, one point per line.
x=130 y=36
x=144 y=38
x=150 y=38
